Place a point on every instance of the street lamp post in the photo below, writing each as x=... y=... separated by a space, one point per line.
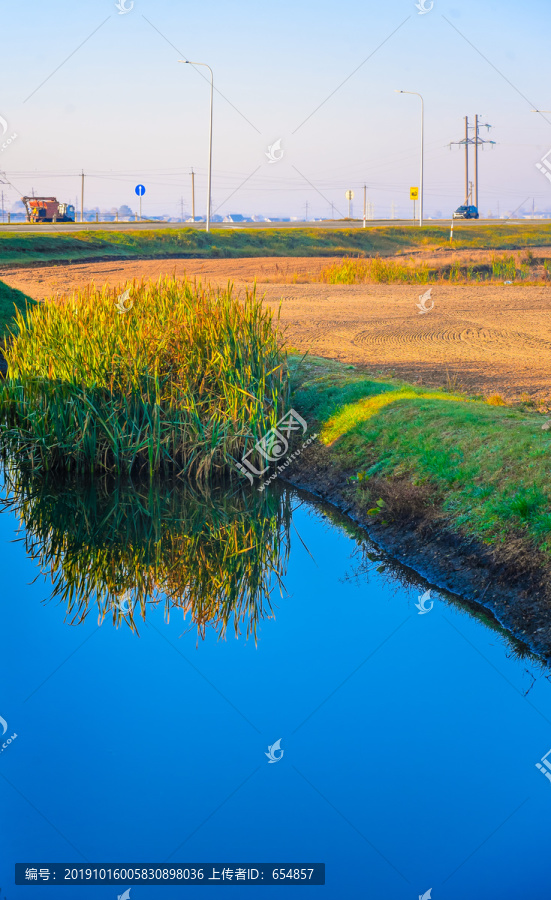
x=415 y=94
x=190 y=63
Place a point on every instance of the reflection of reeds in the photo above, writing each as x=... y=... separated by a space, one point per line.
x=184 y=379
x=217 y=556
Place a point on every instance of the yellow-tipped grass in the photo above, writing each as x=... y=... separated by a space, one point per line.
x=353 y=414
x=376 y=270
x=187 y=379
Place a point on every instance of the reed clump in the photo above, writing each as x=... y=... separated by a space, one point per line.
x=173 y=377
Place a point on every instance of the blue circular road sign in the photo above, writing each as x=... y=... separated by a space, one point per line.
x=140 y=190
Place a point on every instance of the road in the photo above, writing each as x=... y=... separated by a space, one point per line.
x=71 y=227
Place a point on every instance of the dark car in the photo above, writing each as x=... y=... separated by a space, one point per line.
x=466 y=212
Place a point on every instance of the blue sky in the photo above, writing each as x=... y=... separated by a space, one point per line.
x=122 y=108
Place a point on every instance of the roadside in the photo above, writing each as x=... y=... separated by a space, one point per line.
x=49 y=279
x=455 y=487
x=79 y=246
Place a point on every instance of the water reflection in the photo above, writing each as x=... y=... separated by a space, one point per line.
x=120 y=547
x=371 y=563
x=369 y=559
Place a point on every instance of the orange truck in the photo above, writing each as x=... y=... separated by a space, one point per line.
x=47 y=209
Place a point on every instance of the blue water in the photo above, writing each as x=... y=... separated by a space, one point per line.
x=410 y=748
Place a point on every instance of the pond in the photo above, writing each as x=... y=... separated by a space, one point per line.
x=157 y=644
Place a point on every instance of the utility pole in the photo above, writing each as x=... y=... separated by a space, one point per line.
x=4 y=182
x=82 y=197
x=465 y=142
x=477 y=141
x=365 y=204
x=306 y=218
x=466 y=160
x=190 y=62
x=476 y=161
x=192 y=194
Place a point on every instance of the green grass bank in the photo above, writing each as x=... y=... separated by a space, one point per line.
x=30 y=249
x=12 y=302
x=482 y=468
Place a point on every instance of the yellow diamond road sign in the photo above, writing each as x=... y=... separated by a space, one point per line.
x=413 y=193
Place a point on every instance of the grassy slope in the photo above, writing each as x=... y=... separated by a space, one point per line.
x=10 y=300
x=487 y=467
x=27 y=249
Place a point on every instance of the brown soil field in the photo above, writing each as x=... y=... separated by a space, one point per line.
x=486 y=338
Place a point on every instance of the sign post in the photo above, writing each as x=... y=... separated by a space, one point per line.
x=140 y=190
x=349 y=196
x=414 y=195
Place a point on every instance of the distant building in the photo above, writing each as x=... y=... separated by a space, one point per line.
x=236 y=218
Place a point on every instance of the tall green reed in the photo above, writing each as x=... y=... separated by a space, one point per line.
x=187 y=379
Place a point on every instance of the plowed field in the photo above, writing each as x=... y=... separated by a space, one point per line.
x=490 y=338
